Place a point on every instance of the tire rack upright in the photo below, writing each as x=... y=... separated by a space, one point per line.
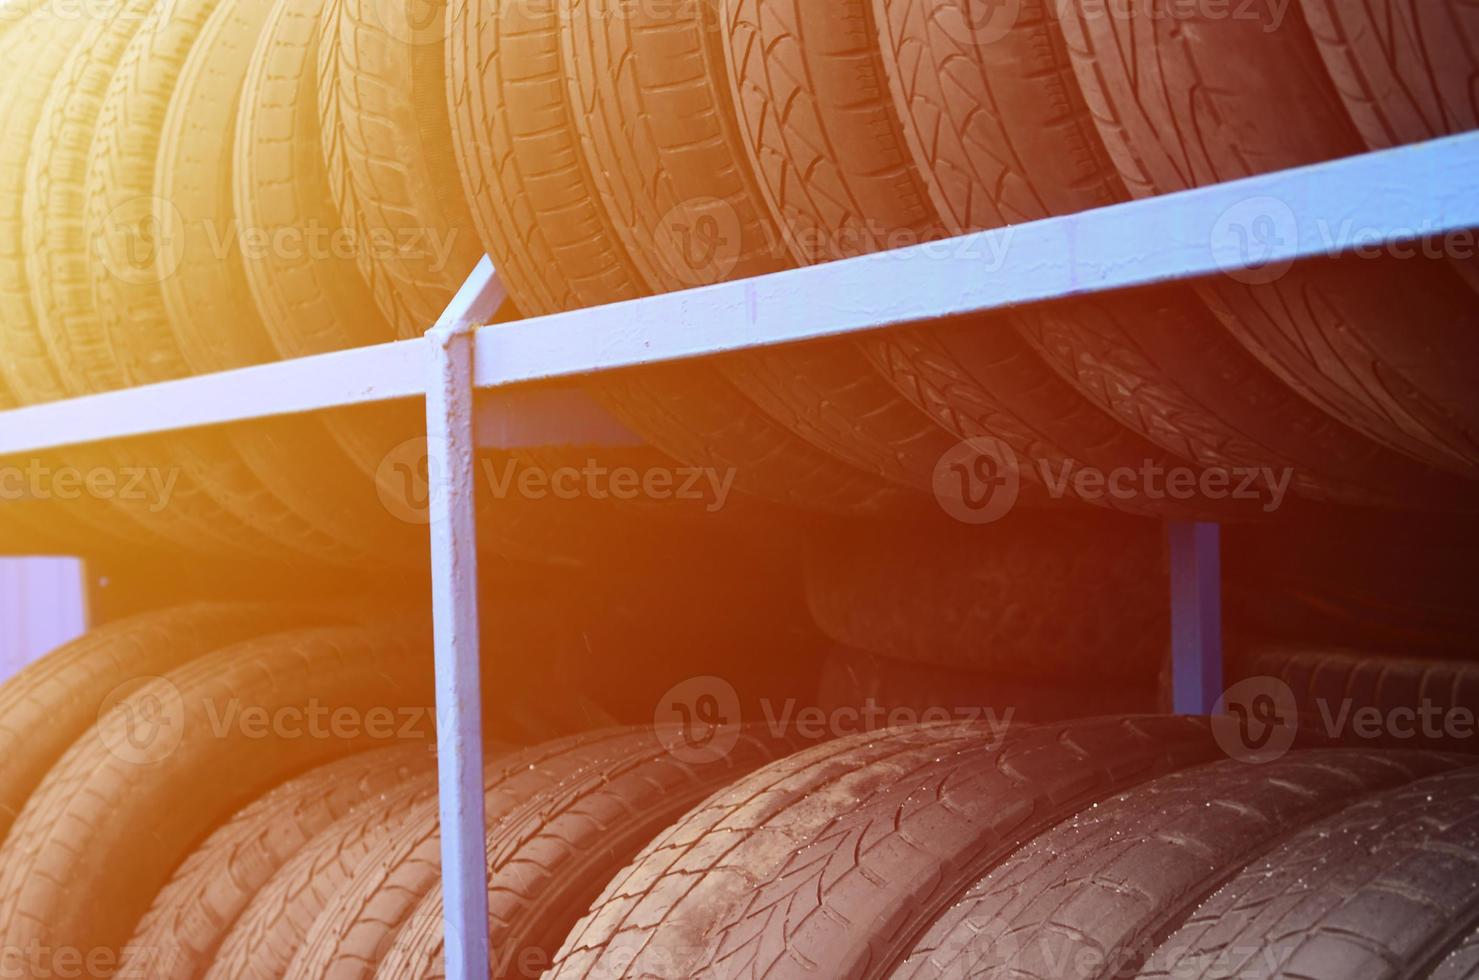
x=1393 y=195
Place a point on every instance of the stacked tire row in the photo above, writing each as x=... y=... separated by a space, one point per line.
x=192 y=187
x=145 y=837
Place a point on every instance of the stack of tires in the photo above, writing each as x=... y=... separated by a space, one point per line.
x=154 y=828
x=193 y=187
x=196 y=185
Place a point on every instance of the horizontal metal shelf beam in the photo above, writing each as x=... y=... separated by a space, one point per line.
x=360 y=376
x=1426 y=189
x=1430 y=189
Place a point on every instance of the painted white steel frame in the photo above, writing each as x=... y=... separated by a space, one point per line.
x=1426 y=190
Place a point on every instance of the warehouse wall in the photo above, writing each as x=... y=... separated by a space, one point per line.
x=42 y=605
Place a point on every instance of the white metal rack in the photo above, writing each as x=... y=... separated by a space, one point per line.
x=1430 y=189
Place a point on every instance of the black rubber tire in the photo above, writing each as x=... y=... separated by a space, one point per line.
x=1388 y=346
x=664 y=150
x=1000 y=134
x=1033 y=598
x=178 y=937
x=272 y=931
x=50 y=704
x=47 y=123
x=382 y=100
x=538 y=210
x=269 y=931
x=340 y=517
x=1385 y=888
x=111 y=821
x=127 y=193
x=1092 y=896
x=33 y=43
x=818 y=120
x=1462 y=963
x=886 y=692
x=831 y=861
x=1406 y=71
x=316 y=300
x=1329 y=686
x=547 y=861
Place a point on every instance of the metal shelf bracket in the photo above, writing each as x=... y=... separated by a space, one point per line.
x=451 y=440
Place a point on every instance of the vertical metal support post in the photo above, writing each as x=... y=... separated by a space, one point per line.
x=452 y=469
x=1196 y=616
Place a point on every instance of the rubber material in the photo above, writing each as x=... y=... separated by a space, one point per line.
x=69 y=54
x=538 y=211
x=1092 y=897
x=1406 y=71
x=831 y=861
x=382 y=100
x=1385 y=888
x=663 y=147
x=118 y=813
x=1386 y=345
x=271 y=929
x=270 y=934
x=51 y=703
x=314 y=299
x=1000 y=134
x=1033 y=598
x=333 y=512
x=886 y=691
x=1331 y=686
x=178 y=936
x=548 y=859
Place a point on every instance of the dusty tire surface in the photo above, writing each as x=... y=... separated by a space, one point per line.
x=1418 y=697
x=880 y=691
x=1098 y=890
x=1000 y=134
x=50 y=704
x=814 y=105
x=382 y=99
x=64 y=61
x=1384 y=888
x=829 y=862
x=269 y=940
x=334 y=512
x=1328 y=328
x=178 y=936
x=1407 y=72
x=270 y=930
x=1026 y=598
x=117 y=814
x=652 y=109
x=548 y=859
x=539 y=213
